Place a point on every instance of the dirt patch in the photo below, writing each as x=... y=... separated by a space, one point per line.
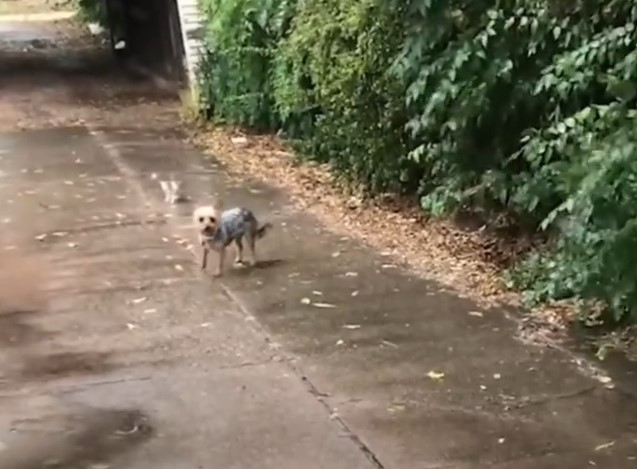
x=59 y=365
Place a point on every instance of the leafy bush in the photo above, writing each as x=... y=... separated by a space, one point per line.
x=529 y=106
x=242 y=38
x=91 y=11
x=333 y=88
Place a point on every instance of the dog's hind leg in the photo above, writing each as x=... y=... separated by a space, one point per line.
x=252 y=248
x=239 y=259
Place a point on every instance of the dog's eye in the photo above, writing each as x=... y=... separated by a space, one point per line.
x=212 y=220
x=201 y=219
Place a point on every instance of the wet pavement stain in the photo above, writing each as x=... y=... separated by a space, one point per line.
x=83 y=440
x=16 y=330
x=63 y=364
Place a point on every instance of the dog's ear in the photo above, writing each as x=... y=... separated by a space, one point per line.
x=217 y=203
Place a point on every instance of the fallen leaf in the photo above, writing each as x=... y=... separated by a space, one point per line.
x=340 y=342
x=352 y=327
x=306 y=301
x=131 y=326
x=150 y=310
x=179 y=267
x=71 y=245
x=389 y=344
x=435 y=375
x=41 y=237
x=324 y=305
x=605 y=446
x=239 y=141
x=477 y=314
x=497 y=376
x=355 y=293
x=137 y=301
x=351 y=274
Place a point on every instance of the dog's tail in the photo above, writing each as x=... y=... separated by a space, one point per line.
x=263 y=230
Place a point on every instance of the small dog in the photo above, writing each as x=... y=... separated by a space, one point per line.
x=217 y=230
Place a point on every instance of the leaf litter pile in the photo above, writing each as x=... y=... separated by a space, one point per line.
x=469 y=261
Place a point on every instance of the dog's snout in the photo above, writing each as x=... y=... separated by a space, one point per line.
x=208 y=230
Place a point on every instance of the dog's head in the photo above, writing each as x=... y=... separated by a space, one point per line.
x=207 y=220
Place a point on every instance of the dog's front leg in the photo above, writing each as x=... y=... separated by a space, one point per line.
x=221 y=258
x=204 y=258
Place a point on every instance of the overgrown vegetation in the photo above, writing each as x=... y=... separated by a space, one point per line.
x=520 y=106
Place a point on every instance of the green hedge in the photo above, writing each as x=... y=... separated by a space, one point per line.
x=521 y=106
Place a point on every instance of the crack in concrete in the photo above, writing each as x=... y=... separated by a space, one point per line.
x=540 y=400
x=106 y=226
x=311 y=387
x=126 y=287
x=57 y=388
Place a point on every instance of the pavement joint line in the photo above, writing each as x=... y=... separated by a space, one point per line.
x=130 y=175
x=163 y=282
x=53 y=387
x=104 y=226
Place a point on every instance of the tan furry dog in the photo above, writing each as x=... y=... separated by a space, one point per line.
x=217 y=230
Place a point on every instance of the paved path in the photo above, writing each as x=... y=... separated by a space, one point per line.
x=321 y=358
